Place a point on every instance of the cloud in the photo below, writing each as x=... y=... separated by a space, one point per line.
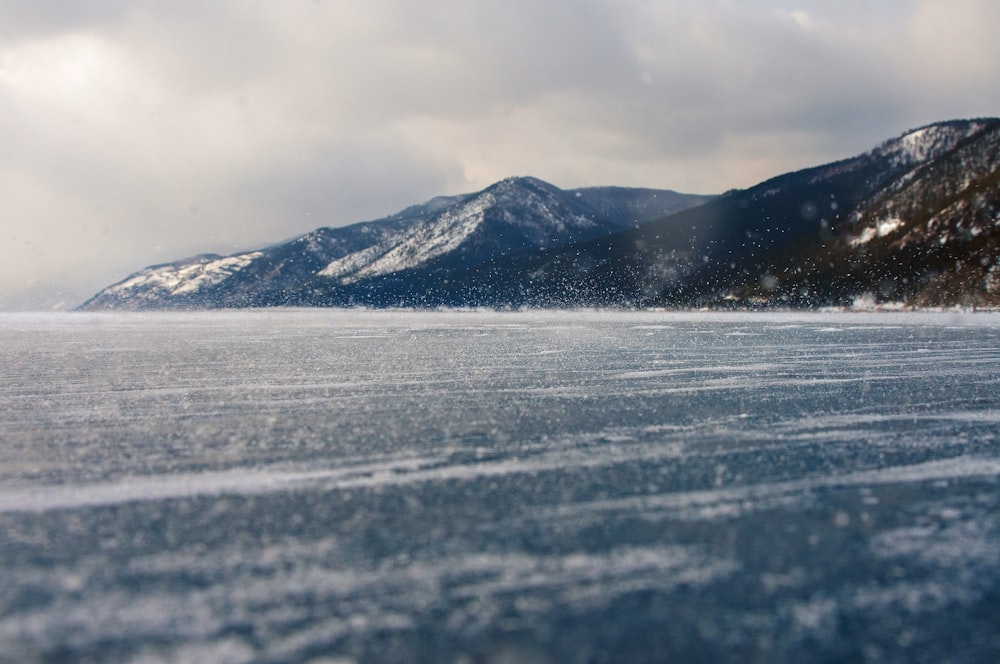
x=136 y=131
x=952 y=49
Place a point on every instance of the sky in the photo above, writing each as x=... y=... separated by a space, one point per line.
x=135 y=132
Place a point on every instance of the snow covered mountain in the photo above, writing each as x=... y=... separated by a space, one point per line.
x=398 y=259
x=932 y=238
x=913 y=221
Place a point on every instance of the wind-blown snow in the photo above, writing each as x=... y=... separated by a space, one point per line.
x=293 y=485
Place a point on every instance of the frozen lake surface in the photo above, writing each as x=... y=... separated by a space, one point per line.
x=331 y=486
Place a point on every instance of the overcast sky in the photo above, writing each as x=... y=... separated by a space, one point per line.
x=137 y=131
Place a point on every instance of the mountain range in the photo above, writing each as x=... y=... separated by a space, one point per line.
x=914 y=221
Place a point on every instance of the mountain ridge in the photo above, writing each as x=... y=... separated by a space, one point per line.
x=513 y=215
x=819 y=236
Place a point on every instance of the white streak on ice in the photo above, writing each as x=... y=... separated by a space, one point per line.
x=733 y=501
x=437 y=469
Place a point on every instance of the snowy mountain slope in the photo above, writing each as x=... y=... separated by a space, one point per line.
x=182 y=277
x=527 y=213
x=926 y=143
x=243 y=279
x=515 y=215
x=931 y=239
x=761 y=246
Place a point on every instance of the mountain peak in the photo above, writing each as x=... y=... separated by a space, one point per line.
x=524 y=180
x=522 y=183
